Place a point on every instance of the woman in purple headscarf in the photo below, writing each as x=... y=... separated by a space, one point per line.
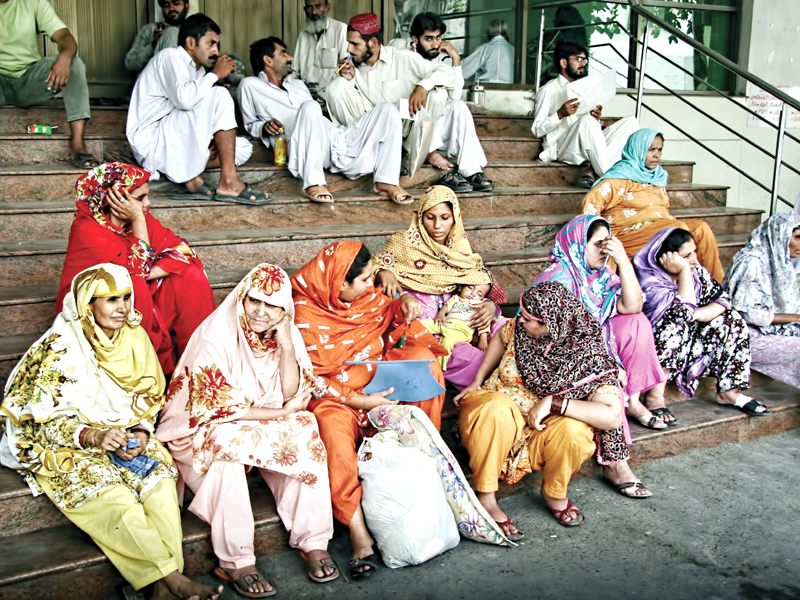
x=697 y=333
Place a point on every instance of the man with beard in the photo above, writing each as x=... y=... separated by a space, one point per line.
x=277 y=100
x=571 y=138
x=178 y=116
x=156 y=36
x=321 y=44
x=381 y=73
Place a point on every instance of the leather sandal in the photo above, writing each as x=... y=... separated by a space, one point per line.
x=319 y=193
x=455 y=182
x=650 y=423
x=244 y=197
x=200 y=193
x=480 y=182
x=317 y=565
x=244 y=582
x=560 y=515
x=370 y=561
x=665 y=412
x=629 y=488
x=397 y=194
x=84 y=160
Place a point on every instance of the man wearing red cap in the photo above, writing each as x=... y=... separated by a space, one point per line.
x=380 y=73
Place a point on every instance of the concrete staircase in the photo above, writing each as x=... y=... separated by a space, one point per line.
x=512 y=227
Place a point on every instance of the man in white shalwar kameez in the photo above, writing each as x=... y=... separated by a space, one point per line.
x=576 y=139
x=177 y=116
x=277 y=100
x=383 y=74
x=492 y=62
x=321 y=44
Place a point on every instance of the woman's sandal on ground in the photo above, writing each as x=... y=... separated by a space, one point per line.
x=317 y=565
x=629 y=488
x=561 y=514
x=506 y=525
x=665 y=412
x=200 y=193
x=244 y=582
x=650 y=423
x=319 y=193
x=397 y=194
x=244 y=197
x=370 y=561
x=751 y=408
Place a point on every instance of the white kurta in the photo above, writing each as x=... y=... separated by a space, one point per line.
x=317 y=58
x=370 y=144
x=174 y=112
x=394 y=76
x=576 y=139
x=455 y=93
x=492 y=62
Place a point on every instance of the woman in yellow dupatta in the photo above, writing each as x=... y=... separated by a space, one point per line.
x=89 y=387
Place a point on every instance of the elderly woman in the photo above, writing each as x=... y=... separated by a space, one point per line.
x=632 y=196
x=764 y=290
x=578 y=259
x=430 y=260
x=545 y=385
x=78 y=406
x=697 y=333
x=238 y=401
x=113 y=224
x=343 y=318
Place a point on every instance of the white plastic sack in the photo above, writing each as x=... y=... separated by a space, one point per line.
x=403 y=502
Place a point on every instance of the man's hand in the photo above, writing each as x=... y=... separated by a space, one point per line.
x=157 y=33
x=570 y=107
x=348 y=71
x=272 y=127
x=58 y=76
x=447 y=48
x=597 y=112
x=213 y=154
x=410 y=307
x=417 y=99
x=224 y=67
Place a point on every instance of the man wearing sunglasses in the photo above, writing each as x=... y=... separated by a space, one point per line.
x=572 y=135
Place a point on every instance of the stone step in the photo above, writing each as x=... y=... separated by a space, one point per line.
x=62 y=562
x=41 y=261
x=56 y=182
x=51 y=219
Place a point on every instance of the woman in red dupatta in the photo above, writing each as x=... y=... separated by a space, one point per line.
x=113 y=224
x=343 y=318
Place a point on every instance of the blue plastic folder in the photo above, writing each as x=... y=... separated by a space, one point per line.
x=141 y=465
x=412 y=380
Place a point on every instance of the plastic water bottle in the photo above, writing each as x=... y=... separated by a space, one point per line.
x=281 y=148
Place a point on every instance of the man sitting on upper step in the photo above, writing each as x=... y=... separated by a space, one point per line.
x=320 y=46
x=181 y=123
x=493 y=61
x=380 y=73
x=278 y=101
x=157 y=36
x=571 y=138
x=27 y=79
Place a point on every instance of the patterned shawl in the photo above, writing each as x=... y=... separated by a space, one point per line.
x=226 y=368
x=631 y=166
x=75 y=369
x=93 y=187
x=762 y=276
x=571 y=360
x=423 y=265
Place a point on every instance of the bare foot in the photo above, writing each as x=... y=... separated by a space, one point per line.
x=316 y=555
x=185 y=588
x=161 y=591
x=489 y=501
x=438 y=161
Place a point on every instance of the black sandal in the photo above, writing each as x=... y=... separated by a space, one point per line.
x=370 y=561
x=662 y=412
x=81 y=159
x=751 y=408
x=480 y=182
x=244 y=197
x=455 y=182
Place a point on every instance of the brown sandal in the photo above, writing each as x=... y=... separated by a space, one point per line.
x=396 y=193
x=560 y=514
x=317 y=565
x=242 y=584
x=319 y=193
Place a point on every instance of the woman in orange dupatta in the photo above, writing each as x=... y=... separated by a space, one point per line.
x=343 y=318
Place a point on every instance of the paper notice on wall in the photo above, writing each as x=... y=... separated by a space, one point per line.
x=593 y=91
x=768 y=106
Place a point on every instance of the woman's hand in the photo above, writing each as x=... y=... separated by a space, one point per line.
x=622 y=376
x=297 y=402
x=614 y=249
x=123 y=206
x=484 y=313
x=673 y=263
x=472 y=387
x=391 y=287
x=539 y=413
x=108 y=439
x=283 y=332
x=410 y=307
x=483 y=342
x=126 y=453
x=370 y=401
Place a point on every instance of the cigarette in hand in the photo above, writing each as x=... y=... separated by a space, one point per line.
x=343 y=65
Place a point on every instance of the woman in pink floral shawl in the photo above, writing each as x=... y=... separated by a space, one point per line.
x=237 y=401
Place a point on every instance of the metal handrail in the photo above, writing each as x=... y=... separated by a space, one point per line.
x=642 y=47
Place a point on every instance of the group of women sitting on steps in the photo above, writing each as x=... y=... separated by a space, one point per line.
x=266 y=380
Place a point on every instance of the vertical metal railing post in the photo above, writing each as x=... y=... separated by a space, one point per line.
x=776 y=173
x=642 y=67
x=539 y=50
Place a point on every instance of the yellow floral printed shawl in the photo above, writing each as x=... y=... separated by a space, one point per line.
x=423 y=265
